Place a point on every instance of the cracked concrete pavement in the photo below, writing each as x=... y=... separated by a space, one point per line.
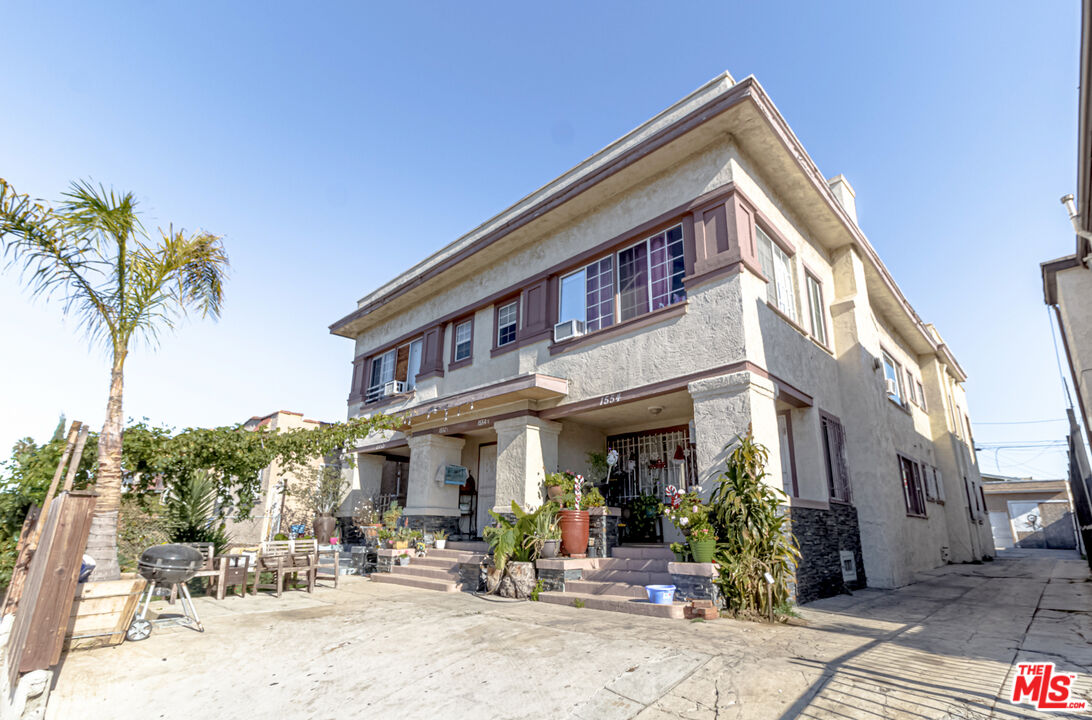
x=944 y=647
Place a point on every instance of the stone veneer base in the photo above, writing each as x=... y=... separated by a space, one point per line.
x=821 y=535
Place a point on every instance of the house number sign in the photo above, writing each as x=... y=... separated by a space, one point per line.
x=610 y=399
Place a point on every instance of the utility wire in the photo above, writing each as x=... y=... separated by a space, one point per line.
x=1058 y=357
x=1021 y=422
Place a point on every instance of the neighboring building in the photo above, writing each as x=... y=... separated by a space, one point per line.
x=275 y=509
x=696 y=277
x=1028 y=513
x=1067 y=288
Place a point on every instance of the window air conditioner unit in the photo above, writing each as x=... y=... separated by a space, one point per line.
x=393 y=387
x=892 y=388
x=568 y=329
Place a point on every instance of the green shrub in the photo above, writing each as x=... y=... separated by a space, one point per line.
x=754 y=533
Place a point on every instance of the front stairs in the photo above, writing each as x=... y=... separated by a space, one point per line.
x=437 y=570
x=618 y=583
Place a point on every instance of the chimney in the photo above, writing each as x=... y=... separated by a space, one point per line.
x=844 y=192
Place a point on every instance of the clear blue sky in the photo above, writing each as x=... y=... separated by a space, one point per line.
x=309 y=135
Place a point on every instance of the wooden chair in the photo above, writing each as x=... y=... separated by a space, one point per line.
x=283 y=558
x=324 y=570
x=233 y=571
x=208 y=569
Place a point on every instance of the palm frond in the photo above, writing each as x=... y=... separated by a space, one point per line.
x=55 y=259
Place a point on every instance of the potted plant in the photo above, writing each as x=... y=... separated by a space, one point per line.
x=515 y=547
x=558 y=484
x=573 y=517
x=323 y=492
x=439 y=539
x=703 y=543
x=366 y=520
x=691 y=518
x=547 y=534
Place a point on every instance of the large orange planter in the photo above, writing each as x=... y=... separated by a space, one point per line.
x=574 y=532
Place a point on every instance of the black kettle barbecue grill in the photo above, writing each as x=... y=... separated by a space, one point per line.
x=168 y=568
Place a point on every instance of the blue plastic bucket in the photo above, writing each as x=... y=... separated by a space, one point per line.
x=660 y=594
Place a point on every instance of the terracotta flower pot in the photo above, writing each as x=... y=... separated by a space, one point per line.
x=325 y=527
x=371 y=532
x=554 y=492
x=703 y=550
x=574 y=532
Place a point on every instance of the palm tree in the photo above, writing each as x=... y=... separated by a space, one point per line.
x=92 y=251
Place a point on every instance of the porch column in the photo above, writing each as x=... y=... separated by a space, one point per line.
x=367 y=477
x=723 y=408
x=526 y=451
x=427 y=494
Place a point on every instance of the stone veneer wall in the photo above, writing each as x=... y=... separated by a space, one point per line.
x=821 y=534
x=432 y=523
x=603 y=530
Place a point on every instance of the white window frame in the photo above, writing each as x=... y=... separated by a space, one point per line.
x=411 y=371
x=468 y=341
x=514 y=323
x=386 y=373
x=782 y=271
x=897 y=369
x=816 y=308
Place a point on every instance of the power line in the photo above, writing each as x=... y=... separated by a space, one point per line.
x=1021 y=422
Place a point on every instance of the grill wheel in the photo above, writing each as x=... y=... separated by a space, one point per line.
x=139 y=629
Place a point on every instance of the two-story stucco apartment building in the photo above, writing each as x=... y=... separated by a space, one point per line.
x=693 y=278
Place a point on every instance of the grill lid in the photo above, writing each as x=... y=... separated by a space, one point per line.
x=172 y=556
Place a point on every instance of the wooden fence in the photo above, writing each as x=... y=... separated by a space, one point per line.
x=49 y=588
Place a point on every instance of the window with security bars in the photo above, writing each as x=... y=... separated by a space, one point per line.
x=834 y=457
x=650 y=461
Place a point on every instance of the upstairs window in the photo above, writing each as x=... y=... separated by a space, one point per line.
x=921 y=397
x=777 y=267
x=815 y=308
x=834 y=457
x=399 y=365
x=649 y=277
x=507 y=323
x=892 y=371
x=463 y=337
x=912 y=487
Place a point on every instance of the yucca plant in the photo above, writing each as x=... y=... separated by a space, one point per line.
x=755 y=537
x=190 y=512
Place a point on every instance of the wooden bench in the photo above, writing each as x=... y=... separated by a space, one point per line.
x=283 y=558
x=222 y=571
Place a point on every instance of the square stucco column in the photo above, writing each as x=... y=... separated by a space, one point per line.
x=367 y=477
x=723 y=408
x=427 y=494
x=526 y=450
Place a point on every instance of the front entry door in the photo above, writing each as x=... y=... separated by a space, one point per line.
x=487 y=483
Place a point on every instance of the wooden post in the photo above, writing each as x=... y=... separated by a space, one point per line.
x=73 y=433
x=77 y=455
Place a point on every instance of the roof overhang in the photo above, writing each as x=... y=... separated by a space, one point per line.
x=1084 y=132
x=719 y=108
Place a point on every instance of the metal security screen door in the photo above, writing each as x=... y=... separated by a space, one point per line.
x=650 y=461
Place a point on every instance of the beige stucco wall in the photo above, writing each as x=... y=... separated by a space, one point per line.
x=726 y=321
x=1074 y=293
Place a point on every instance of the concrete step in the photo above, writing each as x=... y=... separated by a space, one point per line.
x=468 y=545
x=614 y=603
x=633 y=564
x=446 y=553
x=646 y=552
x=414 y=581
x=628 y=577
x=590 y=587
x=435 y=562
x=425 y=571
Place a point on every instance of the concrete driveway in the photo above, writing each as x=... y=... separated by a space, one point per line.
x=941 y=648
